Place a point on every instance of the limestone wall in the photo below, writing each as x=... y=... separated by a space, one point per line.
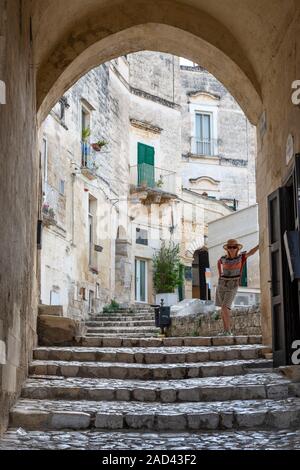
x=282 y=118
x=18 y=203
x=245 y=321
x=66 y=267
x=232 y=164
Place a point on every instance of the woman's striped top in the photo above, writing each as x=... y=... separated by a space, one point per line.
x=231 y=268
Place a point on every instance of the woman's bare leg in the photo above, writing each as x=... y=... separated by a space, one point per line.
x=225 y=312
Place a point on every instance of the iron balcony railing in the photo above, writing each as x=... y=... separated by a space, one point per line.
x=88 y=159
x=204 y=147
x=149 y=176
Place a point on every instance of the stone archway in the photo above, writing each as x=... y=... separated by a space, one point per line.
x=49 y=44
x=105 y=33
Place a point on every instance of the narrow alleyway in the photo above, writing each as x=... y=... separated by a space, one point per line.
x=120 y=391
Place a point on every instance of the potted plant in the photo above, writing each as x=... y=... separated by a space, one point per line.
x=86 y=132
x=166 y=273
x=159 y=182
x=97 y=146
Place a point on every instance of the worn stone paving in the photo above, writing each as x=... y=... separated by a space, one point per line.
x=249 y=386
x=96 y=440
x=119 y=323
x=119 y=370
x=129 y=342
x=61 y=414
x=150 y=355
x=125 y=379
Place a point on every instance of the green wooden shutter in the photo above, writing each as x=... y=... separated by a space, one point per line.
x=145 y=164
x=243 y=281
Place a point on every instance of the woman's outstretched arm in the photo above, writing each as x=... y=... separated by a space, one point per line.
x=252 y=251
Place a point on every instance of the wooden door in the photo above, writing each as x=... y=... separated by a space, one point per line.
x=276 y=230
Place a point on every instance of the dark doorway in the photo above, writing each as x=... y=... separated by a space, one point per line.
x=201 y=279
x=283 y=209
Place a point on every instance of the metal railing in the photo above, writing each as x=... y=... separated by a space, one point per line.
x=50 y=203
x=88 y=159
x=204 y=147
x=149 y=176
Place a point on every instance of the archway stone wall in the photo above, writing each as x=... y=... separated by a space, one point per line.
x=255 y=52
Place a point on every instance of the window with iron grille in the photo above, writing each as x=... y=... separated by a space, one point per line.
x=141 y=236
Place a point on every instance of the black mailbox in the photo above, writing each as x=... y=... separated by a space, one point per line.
x=156 y=314
x=162 y=316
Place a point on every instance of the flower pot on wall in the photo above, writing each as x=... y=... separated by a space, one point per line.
x=169 y=299
x=96 y=147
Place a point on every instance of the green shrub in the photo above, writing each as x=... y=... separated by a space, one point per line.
x=215 y=316
x=112 y=307
x=166 y=272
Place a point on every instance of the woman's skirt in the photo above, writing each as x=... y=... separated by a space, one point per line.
x=226 y=292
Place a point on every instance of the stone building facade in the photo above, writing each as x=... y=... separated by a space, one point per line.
x=106 y=212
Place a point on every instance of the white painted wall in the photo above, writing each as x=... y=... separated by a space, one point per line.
x=241 y=225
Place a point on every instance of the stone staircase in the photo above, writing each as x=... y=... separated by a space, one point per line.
x=135 y=321
x=116 y=390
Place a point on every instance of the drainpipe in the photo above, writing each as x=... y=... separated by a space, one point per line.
x=72 y=221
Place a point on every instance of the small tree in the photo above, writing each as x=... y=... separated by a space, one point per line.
x=166 y=272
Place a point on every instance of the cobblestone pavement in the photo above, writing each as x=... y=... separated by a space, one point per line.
x=93 y=440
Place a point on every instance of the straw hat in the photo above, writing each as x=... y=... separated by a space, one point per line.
x=232 y=241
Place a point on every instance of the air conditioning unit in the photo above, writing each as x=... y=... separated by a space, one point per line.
x=245 y=299
x=241 y=300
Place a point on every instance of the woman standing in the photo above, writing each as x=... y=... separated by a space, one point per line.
x=230 y=269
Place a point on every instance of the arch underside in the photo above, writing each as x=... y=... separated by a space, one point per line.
x=178 y=31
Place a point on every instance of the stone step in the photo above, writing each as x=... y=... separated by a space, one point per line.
x=60 y=414
x=129 y=341
x=132 y=325
x=159 y=355
x=125 y=329
x=116 y=370
x=106 y=318
x=121 y=335
x=242 y=387
x=236 y=439
x=131 y=311
x=105 y=321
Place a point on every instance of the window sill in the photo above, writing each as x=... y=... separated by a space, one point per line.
x=93 y=270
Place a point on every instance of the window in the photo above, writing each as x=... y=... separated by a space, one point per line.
x=63 y=106
x=85 y=136
x=55 y=297
x=145 y=165
x=141 y=236
x=61 y=187
x=45 y=160
x=203 y=134
x=91 y=301
x=75 y=292
x=92 y=212
x=97 y=290
x=59 y=110
x=90 y=237
x=83 y=293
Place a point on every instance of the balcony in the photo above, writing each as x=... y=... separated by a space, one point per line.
x=206 y=147
x=50 y=206
x=152 y=184
x=88 y=162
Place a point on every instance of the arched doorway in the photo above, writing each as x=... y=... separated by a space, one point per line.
x=201 y=275
x=123 y=275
